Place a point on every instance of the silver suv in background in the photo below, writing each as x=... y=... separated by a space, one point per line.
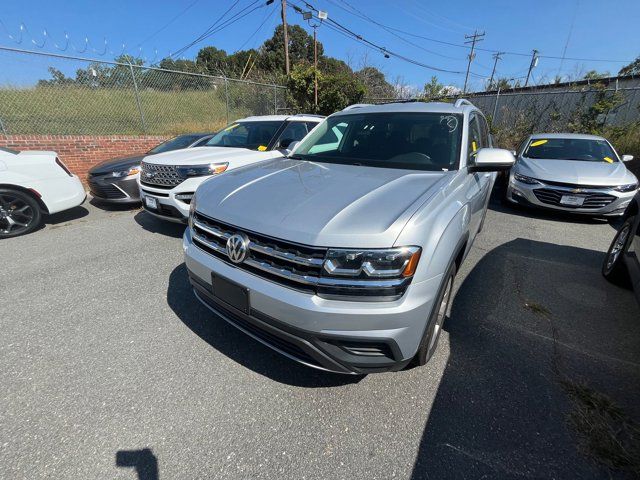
x=342 y=256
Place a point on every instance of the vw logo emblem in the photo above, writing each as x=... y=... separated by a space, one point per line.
x=237 y=247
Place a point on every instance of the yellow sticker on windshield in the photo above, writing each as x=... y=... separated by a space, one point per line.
x=231 y=127
x=474 y=146
x=608 y=159
x=537 y=143
x=262 y=148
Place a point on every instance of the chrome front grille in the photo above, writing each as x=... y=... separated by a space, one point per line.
x=166 y=176
x=289 y=264
x=552 y=196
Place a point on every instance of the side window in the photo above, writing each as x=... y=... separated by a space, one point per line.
x=475 y=136
x=310 y=125
x=330 y=140
x=293 y=132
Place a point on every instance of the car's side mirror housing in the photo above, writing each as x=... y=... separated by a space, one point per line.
x=627 y=158
x=491 y=160
x=291 y=147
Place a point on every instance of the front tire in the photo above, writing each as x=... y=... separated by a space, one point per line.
x=436 y=321
x=613 y=268
x=19 y=213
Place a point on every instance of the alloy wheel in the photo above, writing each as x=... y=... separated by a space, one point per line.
x=16 y=215
x=618 y=246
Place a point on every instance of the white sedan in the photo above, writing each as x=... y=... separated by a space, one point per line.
x=34 y=183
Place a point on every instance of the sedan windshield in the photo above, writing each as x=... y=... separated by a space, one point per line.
x=176 y=143
x=414 y=141
x=581 y=149
x=251 y=135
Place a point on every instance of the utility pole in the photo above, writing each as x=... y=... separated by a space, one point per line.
x=286 y=35
x=315 y=68
x=496 y=57
x=472 y=39
x=534 y=63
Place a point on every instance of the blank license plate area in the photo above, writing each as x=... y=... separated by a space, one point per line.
x=231 y=293
x=572 y=200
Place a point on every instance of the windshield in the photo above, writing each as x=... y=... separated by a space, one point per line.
x=251 y=135
x=415 y=141
x=181 y=141
x=8 y=150
x=585 y=150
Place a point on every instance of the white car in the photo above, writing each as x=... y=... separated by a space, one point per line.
x=31 y=184
x=168 y=180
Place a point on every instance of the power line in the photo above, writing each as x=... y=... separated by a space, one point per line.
x=182 y=12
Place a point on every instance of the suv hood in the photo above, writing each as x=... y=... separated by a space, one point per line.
x=205 y=155
x=319 y=204
x=577 y=172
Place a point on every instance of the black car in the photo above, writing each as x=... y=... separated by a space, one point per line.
x=114 y=181
x=622 y=265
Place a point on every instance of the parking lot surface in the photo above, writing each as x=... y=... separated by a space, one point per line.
x=112 y=369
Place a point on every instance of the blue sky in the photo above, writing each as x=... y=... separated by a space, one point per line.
x=601 y=30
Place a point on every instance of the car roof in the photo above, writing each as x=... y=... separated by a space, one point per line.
x=410 y=106
x=301 y=117
x=577 y=136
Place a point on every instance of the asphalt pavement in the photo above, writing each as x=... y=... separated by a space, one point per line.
x=112 y=369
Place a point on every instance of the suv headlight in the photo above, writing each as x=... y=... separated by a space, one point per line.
x=202 y=170
x=126 y=173
x=391 y=263
x=626 y=188
x=525 y=179
x=368 y=274
x=192 y=210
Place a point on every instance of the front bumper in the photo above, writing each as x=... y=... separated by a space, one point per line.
x=334 y=335
x=525 y=194
x=108 y=189
x=173 y=203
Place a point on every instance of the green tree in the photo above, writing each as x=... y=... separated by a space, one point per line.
x=375 y=83
x=212 y=60
x=434 y=89
x=300 y=49
x=632 y=69
x=595 y=75
x=335 y=90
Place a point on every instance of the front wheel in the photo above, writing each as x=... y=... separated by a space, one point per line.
x=19 y=213
x=436 y=320
x=614 y=268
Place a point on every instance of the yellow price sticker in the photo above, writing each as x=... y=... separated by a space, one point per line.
x=474 y=146
x=608 y=159
x=537 y=143
x=231 y=127
x=262 y=148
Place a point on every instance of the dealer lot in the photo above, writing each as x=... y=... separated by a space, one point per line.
x=111 y=365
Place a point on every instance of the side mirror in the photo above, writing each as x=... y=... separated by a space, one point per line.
x=627 y=158
x=491 y=160
x=291 y=147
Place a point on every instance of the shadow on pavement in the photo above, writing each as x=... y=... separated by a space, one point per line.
x=144 y=462
x=157 y=225
x=66 y=216
x=114 y=207
x=240 y=347
x=528 y=318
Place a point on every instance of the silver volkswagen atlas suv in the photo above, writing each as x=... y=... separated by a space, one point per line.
x=342 y=256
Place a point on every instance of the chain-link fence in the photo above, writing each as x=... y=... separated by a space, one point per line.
x=55 y=94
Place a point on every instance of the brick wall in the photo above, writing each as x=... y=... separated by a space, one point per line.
x=81 y=152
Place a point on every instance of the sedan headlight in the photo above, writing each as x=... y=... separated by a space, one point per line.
x=202 y=170
x=626 y=188
x=126 y=173
x=525 y=179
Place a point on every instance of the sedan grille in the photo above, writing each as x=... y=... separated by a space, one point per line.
x=163 y=176
x=105 y=191
x=594 y=200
